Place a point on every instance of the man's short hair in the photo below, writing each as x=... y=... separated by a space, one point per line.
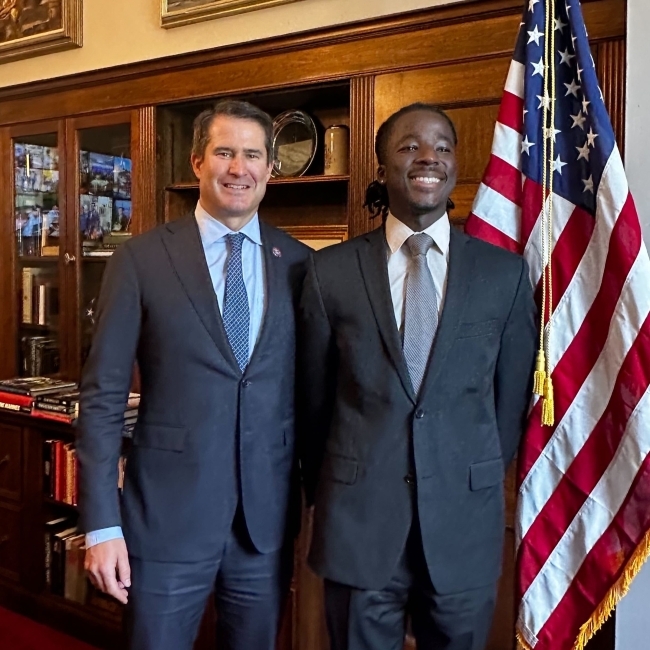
x=231 y=108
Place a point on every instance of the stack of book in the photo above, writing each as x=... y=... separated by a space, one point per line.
x=54 y=399
x=61 y=471
x=40 y=297
x=20 y=394
x=62 y=406
x=39 y=355
x=64 y=560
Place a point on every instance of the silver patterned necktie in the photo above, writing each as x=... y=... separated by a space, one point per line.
x=236 y=313
x=420 y=310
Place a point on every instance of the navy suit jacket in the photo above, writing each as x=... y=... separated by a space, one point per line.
x=207 y=437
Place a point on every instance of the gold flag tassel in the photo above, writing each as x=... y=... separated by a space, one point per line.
x=539 y=379
x=548 y=406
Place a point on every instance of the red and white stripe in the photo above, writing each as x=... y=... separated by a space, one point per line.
x=584 y=483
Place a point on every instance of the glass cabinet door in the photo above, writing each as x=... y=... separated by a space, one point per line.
x=104 y=210
x=37 y=218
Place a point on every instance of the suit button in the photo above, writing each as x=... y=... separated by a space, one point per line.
x=246 y=383
x=419 y=414
x=409 y=479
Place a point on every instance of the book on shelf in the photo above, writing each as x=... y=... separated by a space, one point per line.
x=40 y=297
x=52 y=527
x=40 y=355
x=35 y=385
x=57 y=569
x=75 y=582
x=15 y=399
x=67 y=398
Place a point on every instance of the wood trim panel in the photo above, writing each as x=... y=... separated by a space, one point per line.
x=360 y=52
x=362 y=152
x=611 y=62
x=337 y=34
x=8 y=314
x=143 y=151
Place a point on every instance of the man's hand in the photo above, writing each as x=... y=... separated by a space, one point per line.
x=108 y=568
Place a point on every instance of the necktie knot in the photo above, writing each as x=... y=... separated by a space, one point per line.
x=235 y=240
x=419 y=244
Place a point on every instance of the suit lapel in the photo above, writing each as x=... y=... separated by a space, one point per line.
x=374 y=268
x=272 y=289
x=183 y=243
x=461 y=265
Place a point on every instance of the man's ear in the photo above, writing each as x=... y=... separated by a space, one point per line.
x=196 y=162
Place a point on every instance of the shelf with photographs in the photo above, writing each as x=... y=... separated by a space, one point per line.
x=36 y=203
x=104 y=220
x=313 y=197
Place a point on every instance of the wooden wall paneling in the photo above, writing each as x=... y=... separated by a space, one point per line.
x=610 y=66
x=143 y=179
x=436 y=36
x=471 y=94
x=8 y=313
x=362 y=152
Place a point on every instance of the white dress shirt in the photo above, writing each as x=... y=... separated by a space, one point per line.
x=213 y=237
x=399 y=259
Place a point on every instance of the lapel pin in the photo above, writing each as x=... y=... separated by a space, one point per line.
x=276 y=251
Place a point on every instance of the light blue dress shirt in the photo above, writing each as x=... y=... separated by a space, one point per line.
x=213 y=237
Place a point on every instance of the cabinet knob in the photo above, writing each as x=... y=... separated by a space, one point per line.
x=69 y=259
x=4 y=460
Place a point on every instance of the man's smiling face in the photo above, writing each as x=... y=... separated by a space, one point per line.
x=419 y=167
x=234 y=169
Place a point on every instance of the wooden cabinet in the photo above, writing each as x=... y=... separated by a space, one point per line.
x=455 y=56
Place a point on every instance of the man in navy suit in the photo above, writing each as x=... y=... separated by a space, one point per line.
x=205 y=305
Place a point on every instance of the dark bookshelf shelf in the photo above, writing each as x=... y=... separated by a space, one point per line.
x=299 y=180
x=86 y=610
x=59 y=504
x=96 y=258
x=35 y=327
x=36 y=260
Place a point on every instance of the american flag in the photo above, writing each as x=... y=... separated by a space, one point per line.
x=583 y=513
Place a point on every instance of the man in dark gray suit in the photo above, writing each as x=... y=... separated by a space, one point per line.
x=206 y=305
x=416 y=347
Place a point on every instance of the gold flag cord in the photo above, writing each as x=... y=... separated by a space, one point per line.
x=543 y=383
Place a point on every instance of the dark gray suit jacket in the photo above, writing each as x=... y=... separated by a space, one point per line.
x=207 y=438
x=373 y=454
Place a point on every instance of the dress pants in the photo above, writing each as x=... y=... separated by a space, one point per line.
x=167 y=599
x=359 y=619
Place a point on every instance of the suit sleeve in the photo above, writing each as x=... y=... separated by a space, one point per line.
x=513 y=381
x=104 y=389
x=315 y=380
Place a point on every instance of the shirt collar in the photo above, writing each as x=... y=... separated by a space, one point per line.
x=212 y=230
x=397 y=232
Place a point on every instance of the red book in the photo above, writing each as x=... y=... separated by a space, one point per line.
x=14 y=398
x=51 y=415
x=59 y=470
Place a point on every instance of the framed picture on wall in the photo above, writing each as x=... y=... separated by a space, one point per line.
x=318 y=237
x=185 y=12
x=32 y=27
